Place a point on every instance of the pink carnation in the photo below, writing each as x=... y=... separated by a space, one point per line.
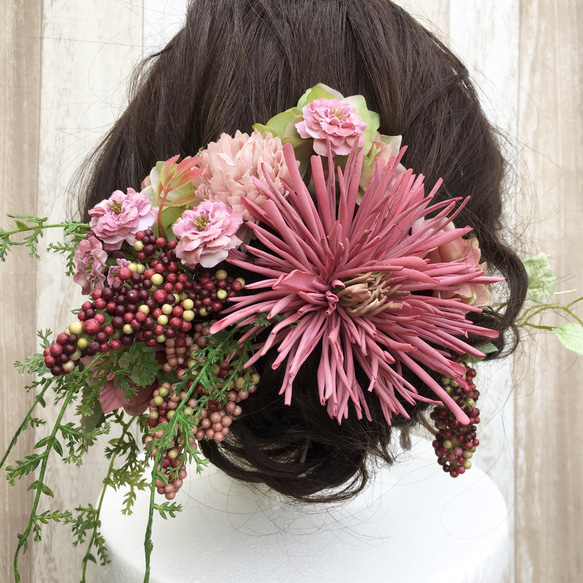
x=120 y=217
x=330 y=119
x=90 y=259
x=206 y=233
x=231 y=165
x=466 y=251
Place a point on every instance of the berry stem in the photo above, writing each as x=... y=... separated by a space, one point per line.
x=148 y=544
x=126 y=427
x=529 y=314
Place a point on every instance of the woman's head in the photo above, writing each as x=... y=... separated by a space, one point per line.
x=239 y=62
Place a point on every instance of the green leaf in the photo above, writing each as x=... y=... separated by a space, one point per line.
x=139 y=365
x=282 y=123
x=488 y=348
x=36 y=485
x=169 y=216
x=571 y=336
x=319 y=91
x=58 y=447
x=41 y=443
x=485 y=349
x=21 y=225
x=542 y=282
x=220 y=336
x=168 y=507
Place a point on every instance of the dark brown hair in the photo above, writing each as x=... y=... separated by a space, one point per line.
x=238 y=62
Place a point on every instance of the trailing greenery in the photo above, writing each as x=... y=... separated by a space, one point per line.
x=542 y=286
x=32 y=228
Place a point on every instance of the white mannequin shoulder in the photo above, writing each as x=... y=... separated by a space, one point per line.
x=413 y=523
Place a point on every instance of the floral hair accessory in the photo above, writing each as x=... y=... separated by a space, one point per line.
x=347 y=255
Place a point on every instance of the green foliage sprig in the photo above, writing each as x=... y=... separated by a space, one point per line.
x=542 y=288
x=32 y=228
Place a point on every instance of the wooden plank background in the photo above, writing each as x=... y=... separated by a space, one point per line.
x=20 y=62
x=63 y=72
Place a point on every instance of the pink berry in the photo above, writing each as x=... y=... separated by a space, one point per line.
x=124 y=273
x=56 y=349
x=91 y=326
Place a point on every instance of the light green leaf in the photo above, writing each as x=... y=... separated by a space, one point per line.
x=319 y=91
x=485 y=349
x=283 y=124
x=169 y=216
x=542 y=282
x=370 y=118
x=571 y=336
x=488 y=348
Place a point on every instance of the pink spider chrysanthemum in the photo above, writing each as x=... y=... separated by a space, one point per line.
x=355 y=280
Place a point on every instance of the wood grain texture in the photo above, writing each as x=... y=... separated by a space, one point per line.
x=20 y=57
x=89 y=50
x=433 y=14
x=549 y=400
x=162 y=20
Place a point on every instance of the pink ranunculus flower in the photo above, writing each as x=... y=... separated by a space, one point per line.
x=207 y=233
x=120 y=217
x=330 y=119
x=463 y=251
x=90 y=261
x=233 y=163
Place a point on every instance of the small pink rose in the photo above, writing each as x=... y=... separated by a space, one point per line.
x=120 y=217
x=333 y=120
x=207 y=233
x=463 y=251
x=90 y=260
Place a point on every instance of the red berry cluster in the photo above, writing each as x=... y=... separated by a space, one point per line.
x=152 y=300
x=212 y=422
x=456 y=443
x=162 y=406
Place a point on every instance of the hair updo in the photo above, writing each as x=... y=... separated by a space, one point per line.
x=239 y=62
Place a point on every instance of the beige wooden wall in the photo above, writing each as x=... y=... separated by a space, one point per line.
x=63 y=68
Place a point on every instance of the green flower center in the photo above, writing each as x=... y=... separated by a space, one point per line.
x=115 y=207
x=339 y=112
x=201 y=222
